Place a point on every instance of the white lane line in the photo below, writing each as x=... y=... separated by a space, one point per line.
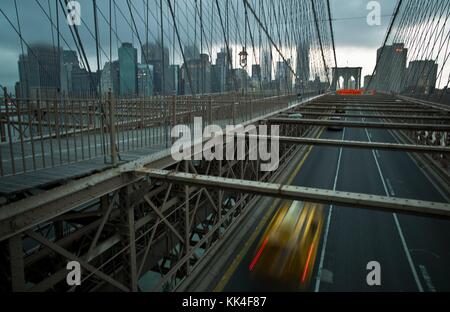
x=327 y=228
x=389 y=185
x=377 y=153
x=397 y=224
x=427 y=278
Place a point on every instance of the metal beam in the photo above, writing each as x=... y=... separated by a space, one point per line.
x=360 y=124
x=358 y=144
x=405 y=117
x=127 y=231
x=440 y=106
x=347 y=199
x=372 y=109
x=368 y=105
x=22 y=215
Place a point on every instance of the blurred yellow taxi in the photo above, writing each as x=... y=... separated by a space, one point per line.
x=288 y=249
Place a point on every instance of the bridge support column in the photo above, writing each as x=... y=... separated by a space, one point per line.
x=17 y=263
x=187 y=223
x=127 y=232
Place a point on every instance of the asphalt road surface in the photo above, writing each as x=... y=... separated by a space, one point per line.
x=413 y=252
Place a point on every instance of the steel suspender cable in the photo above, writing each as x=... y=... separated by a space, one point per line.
x=332 y=32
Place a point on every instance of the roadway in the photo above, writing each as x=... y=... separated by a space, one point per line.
x=413 y=251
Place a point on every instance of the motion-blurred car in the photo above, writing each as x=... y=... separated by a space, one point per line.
x=287 y=252
x=335 y=127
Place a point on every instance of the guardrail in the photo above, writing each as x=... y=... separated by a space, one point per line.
x=49 y=132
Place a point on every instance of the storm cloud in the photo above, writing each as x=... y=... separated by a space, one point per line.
x=356 y=41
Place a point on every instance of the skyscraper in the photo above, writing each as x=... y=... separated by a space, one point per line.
x=151 y=54
x=70 y=57
x=128 y=70
x=39 y=70
x=256 y=72
x=24 y=84
x=191 y=53
x=266 y=66
x=196 y=75
x=241 y=78
x=110 y=78
x=217 y=79
x=173 y=80
x=76 y=81
x=223 y=70
x=284 y=75
x=422 y=75
x=302 y=69
x=69 y=64
x=145 y=80
x=391 y=68
x=366 y=80
x=83 y=83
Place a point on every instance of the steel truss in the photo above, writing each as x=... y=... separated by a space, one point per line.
x=391 y=204
x=362 y=124
x=121 y=225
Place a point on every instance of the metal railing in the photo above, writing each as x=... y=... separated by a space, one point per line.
x=48 y=132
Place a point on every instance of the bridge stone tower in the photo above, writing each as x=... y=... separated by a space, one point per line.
x=346 y=73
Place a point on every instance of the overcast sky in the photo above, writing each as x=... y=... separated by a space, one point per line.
x=356 y=41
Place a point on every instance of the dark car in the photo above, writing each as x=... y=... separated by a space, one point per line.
x=333 y=127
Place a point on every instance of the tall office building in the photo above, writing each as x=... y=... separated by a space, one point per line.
x=145 y=80
x=70 y=57
x=76 y=81
x=196 y=75
x=110 y=78
x=266 y=66
x=223 y=70
x=391 y=69
x=39 y=70
x=128 y=70
x=24 y=84
x=83 y=83
x=151 y=54
x=173 y=80
x=422 y=75
x=367 y=80
x=191 y=53
x=256 y=72
x=242 y=78
x=284 y=75
x=68 y=65
x=302 y=69
x=218 y=76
